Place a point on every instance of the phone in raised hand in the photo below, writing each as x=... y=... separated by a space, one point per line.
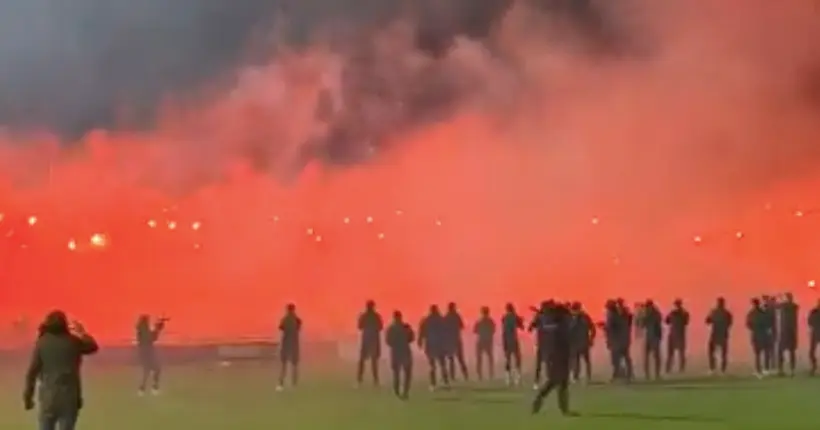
x=78 y=328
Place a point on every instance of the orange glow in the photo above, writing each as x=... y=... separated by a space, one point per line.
x=560 y=175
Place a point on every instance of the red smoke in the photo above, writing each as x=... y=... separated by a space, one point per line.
x=565 y=174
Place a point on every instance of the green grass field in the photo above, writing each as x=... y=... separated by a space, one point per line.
x=238 y=398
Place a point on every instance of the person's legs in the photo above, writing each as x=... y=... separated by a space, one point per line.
x=47 y=421
x=156 y=375
x=408 y=378
x=67 y=421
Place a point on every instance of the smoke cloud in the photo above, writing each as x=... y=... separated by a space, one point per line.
x=512 y=124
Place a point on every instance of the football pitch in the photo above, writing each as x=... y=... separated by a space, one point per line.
x=238 y=398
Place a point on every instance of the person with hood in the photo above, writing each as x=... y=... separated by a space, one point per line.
x=55 y=365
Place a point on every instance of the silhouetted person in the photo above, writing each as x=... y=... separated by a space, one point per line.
x=454 y=326
x=55 y=364
x=370 y=326
x=678 y=322
x=290 y=328
x=400 y=338
x=627 y=320
x=538 y=326
x=787 y=339
x=583 y=337
x=612 y=327
x=147 y=337
x=758 y=325
x=814 y=336
x=433 y=341
x=484 y=331
x=511 y=324
x=720 y=321
x=769 y=306
x=651 y=322
x=558 y=322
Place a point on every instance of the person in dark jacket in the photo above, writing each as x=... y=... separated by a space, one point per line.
x=678 y=322
x=558 y=321
x=813 y=322
x=147 y=337
x=720 y=321
x=651 y=322
x=757 y=322
x=787 y=341
x=539 y=327
x=627 y=322
x=55 y=364
x=290 y=328
x=613 y=327
x=370 y=325
x=454 y=326
x=511 y=324
x=583 y=337
x=770 y=307
x=400 y=338
x=432 y=340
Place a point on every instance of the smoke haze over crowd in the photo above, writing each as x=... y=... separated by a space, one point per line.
x=560 y=151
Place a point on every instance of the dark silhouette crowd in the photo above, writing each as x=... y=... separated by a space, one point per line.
x=564 y=335
x=661 y=339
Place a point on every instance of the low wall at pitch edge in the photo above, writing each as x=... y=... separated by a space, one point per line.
x=201 y=353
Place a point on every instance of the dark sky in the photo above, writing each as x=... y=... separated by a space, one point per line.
x=71 y=65
x=66 y=64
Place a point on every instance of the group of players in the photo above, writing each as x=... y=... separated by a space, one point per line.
x=564 y=336
x=772 y=325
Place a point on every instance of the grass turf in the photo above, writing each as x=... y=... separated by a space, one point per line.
x=244 y=399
